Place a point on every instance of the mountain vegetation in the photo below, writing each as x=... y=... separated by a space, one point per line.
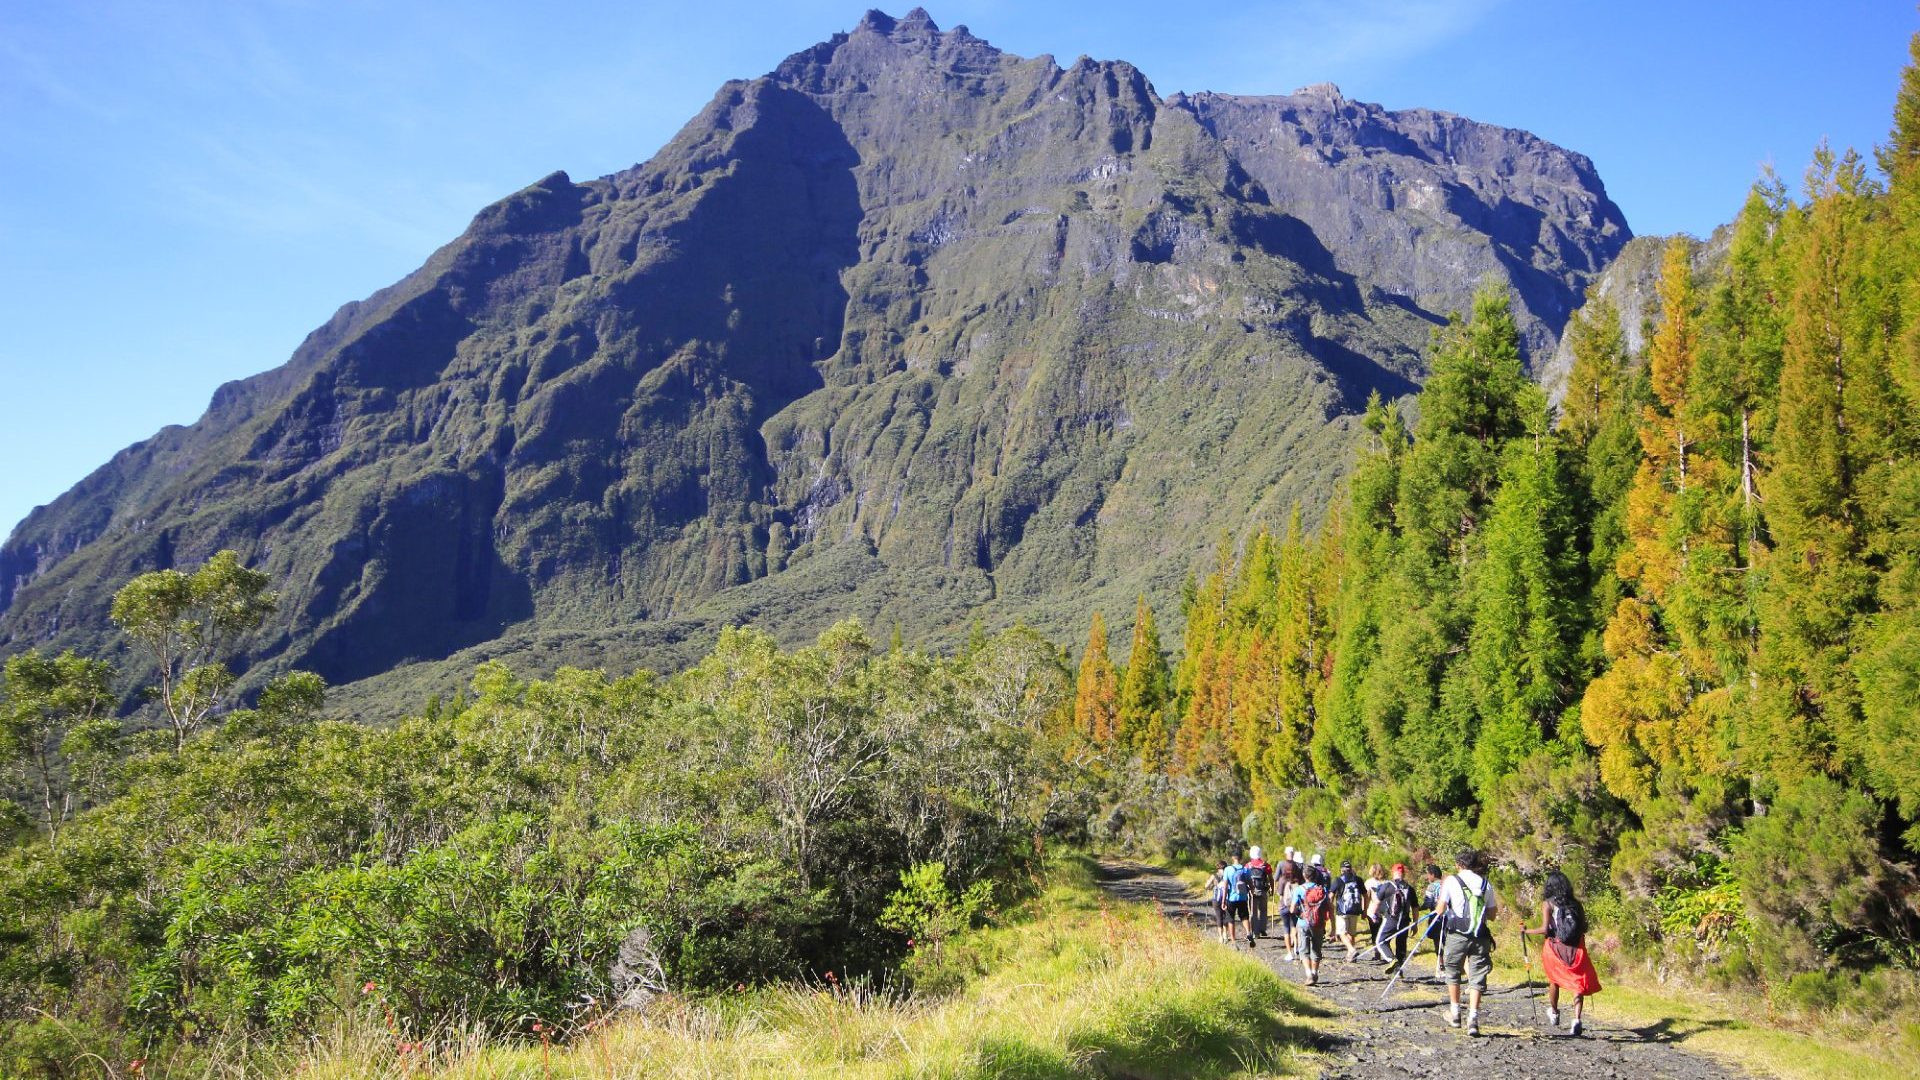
x=1664 y=639
x=910 y=330
x=1664 y=636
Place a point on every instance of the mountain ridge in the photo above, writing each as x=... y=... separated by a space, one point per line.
x=1002 y=337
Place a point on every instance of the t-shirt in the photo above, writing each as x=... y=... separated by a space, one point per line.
x=1262 y=864
x=1383 y=903
x=1454 y=899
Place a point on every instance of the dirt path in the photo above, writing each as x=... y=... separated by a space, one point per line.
x=1407 y=1035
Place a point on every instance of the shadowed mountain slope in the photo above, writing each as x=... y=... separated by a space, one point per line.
x=910 y=328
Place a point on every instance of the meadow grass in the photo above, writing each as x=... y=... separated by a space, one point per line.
x=1072 y=984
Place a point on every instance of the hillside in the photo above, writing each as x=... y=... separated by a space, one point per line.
x=910 y=328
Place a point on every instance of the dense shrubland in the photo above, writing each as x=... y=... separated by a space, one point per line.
x=482 y=863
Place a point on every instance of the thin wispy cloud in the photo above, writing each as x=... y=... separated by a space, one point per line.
x=1279 y=46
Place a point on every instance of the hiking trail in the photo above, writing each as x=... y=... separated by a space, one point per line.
x=1407 y=1035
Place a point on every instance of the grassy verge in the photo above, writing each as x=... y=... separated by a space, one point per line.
x=1737 y=1028
x=1072 y=986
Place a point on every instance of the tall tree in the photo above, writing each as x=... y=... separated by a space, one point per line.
x=1146 y=692
x=56 y=713
x=188 y=625
x=1096 y=698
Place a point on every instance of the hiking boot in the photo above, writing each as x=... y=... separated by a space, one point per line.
x=1453 y=1017
x=1575 y=1027
x=1473 y=1023
x=1553 y=1017
x=1313 y=978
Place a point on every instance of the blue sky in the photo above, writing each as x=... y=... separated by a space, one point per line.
x=188 y=187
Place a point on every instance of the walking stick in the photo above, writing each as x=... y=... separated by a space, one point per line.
x=1526 y=956
x=1400 y=966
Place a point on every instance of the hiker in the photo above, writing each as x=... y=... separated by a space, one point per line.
x=1290 y=880
x=1317 y=872
x=1217 y=891
x=1369 y=887
x=1349 y=901
x=1259 y=887
x=1467 y=906
x=1563 y=955
x=1392 y=913
x=1429 y=902
x=1236 y=876
x=1313 y=909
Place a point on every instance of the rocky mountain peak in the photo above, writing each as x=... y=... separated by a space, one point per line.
x=910 y=329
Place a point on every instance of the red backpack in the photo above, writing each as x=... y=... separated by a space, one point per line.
x=1313 y=907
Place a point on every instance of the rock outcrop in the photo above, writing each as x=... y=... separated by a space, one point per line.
x=911 y=329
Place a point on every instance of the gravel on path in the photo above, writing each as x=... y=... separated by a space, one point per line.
x=1407 y=1034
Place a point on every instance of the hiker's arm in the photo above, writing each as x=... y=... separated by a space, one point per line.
x=1534 y=931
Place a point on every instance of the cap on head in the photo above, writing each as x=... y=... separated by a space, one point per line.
x=1255 y=852
x=1316 y=859
x=1346 y=864
x=1399 y=869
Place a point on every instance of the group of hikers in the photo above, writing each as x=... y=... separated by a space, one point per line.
x=1453 y=911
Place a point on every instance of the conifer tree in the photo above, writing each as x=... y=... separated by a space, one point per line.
x=1096 y=693
x=1834 y=442
x=1146 y=693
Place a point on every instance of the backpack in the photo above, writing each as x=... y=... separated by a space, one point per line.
x=1349 y=896
x=1568 y=925
x=1259 y=879
x=1394 y=901
x=1313 y=907
x=1473 y=921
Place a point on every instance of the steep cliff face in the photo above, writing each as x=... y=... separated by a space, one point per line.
x=910 y=328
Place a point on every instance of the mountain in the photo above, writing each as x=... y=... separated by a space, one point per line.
x=910 y=328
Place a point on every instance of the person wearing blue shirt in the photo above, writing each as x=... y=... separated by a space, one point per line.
x=1236 y=879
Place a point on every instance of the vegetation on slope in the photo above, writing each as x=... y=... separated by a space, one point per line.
x=1065 y=985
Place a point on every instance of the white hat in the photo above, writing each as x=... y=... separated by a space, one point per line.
x=1255 y=852
x=1316 y=858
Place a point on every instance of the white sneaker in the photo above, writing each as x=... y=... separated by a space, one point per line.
x=1573 y=1028
x=1473 y=1023
x=1553 y=1017
x=1453 y=1016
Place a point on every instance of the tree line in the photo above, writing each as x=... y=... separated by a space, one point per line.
x=1666 y=636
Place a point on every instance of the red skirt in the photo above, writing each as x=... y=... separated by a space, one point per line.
x=1569 y=968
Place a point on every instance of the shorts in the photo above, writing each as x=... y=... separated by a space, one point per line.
x=1469 y=956
x=1342 y=925
x=1313 y=942
x=1236 y=910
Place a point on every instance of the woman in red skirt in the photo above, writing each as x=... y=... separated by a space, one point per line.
x=1563 y=922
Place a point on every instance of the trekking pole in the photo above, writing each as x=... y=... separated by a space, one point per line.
x=1526 y=957
x=1400 y=967
x=1376 y=947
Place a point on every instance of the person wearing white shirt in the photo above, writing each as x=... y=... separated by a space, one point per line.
x=1467 y=906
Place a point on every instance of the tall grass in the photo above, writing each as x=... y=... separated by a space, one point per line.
x=1071 y=986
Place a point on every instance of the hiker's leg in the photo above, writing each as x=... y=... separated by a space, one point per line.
x=1553 y=997
x=1579 y=1005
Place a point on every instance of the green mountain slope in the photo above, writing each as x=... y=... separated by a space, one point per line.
x=911 y=329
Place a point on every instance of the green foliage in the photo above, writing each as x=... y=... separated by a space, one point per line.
x=1812 y=875
x=929 y=912
x=485 y=862
x=187 y=624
